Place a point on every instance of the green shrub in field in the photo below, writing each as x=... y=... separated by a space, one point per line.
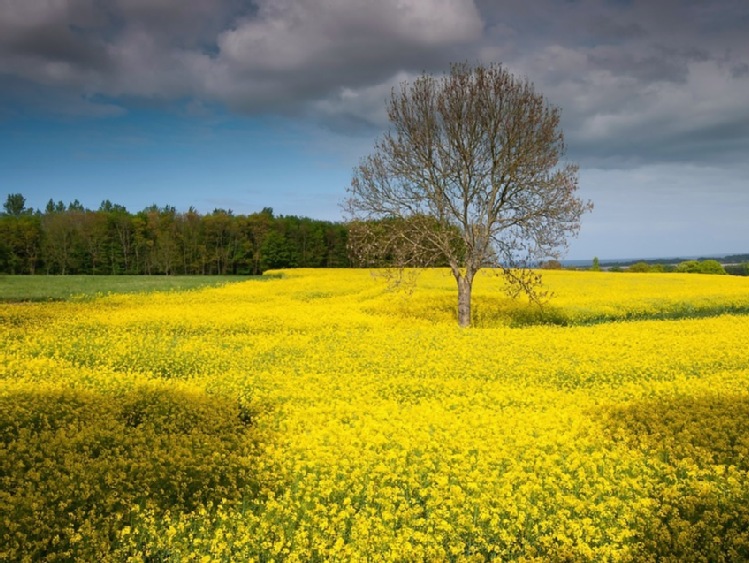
x=75 y=466
x=701 y=267
x=738 y=269
x=639 y=267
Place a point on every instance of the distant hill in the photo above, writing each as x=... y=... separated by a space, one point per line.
x=625 y=262
x=735 y=258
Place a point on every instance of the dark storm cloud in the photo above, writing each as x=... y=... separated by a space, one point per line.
x=609 y=29
x=53 y=43
x=654 y=67
x=638 y=81
x=280 y=55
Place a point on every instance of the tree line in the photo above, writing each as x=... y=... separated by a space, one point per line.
x=734 y=264
x=71 y=239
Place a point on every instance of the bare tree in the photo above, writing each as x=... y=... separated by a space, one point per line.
x=469 y=176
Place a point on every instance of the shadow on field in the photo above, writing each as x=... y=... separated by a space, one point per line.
x=698 y=451
x=487 y=312
x=496 y=311
x=76 y=466
x=490 y=311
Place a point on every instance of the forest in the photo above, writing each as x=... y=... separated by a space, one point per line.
x=71 y=239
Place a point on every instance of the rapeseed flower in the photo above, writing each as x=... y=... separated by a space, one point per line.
x=318 y=416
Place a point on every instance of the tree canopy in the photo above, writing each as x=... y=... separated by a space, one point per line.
x=470 y=174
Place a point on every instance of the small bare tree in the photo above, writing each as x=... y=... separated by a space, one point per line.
x=470 y=177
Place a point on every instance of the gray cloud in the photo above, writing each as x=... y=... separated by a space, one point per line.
x=637 y=81
x=293 y=53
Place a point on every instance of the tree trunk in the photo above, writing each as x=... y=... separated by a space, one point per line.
x=465 y=285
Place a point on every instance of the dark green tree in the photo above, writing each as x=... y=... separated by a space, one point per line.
x=278 y=252
x=639 y=267
x=20 y=236
x=60 y=241
x=258 y=228
x=15 y=205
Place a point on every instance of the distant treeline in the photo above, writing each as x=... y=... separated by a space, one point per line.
x=734 y=264
x=70 y=239
x=730 y=259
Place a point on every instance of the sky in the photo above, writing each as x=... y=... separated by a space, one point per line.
x=246 y=104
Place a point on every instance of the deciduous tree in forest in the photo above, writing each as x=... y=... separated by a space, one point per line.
x=159 y=240
x=470 y=174
x=61 y=238
x=15 y=204
x=20 y=236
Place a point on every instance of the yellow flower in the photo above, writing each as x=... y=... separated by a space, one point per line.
x=317 y=416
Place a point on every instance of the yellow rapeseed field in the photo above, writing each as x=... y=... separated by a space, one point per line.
x=317 y=416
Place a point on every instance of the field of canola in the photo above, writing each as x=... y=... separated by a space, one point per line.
x=318 y=417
